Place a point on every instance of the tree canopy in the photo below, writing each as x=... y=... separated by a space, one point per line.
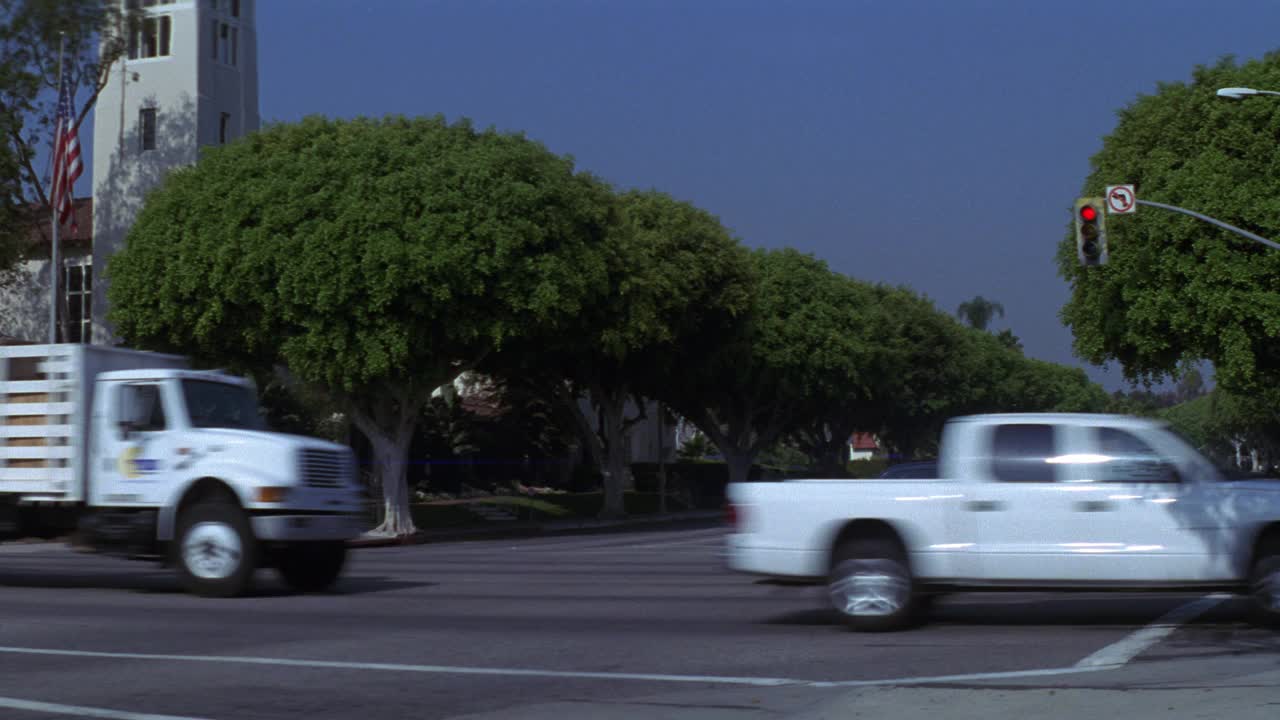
x=677 y=281
x=32 y=33
x=375 y=258
x=801 y=347
x=1176 y=289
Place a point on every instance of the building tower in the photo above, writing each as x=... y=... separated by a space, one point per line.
x=188 y=80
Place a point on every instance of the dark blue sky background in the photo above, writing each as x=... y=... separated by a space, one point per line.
x=937 y=144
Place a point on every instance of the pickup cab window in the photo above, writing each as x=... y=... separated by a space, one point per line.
x=1021 y=453
x=1129 y=458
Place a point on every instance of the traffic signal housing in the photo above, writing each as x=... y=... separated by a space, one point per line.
x=1091 y=232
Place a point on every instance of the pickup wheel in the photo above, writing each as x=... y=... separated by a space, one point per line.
x=1264 y=586
x=870 y=586
x=311 y=567
x=216 y=552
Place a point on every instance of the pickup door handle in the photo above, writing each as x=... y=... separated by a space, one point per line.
x=984 y=505
x=1094 y=506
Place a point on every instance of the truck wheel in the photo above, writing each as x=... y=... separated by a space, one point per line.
x=870 y=586
x=1264 y=585
x=312 y=567
x=216 y=550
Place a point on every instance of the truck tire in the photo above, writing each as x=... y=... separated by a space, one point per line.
x=870 y=586
x=215 y=551
x=311 y=567
x=1264 y=588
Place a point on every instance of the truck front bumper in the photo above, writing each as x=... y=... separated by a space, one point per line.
x=303 y=527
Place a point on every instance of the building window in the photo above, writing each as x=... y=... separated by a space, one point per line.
x=77 y=281
x=224 y=128
x=226 y=43
x=147 y=128
x=152 y=38
x=232 y=6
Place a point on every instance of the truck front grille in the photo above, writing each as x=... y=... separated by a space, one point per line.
x=324 y=468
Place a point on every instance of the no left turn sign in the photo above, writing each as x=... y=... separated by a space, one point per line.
x=1121 y=199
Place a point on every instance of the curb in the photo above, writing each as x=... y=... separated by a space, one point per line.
x=706 y=519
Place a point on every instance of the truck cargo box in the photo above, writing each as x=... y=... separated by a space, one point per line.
x=46 y=397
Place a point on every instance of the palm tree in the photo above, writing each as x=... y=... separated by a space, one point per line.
x=979 y=311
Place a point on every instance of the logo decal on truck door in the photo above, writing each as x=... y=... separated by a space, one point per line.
x=131 y=466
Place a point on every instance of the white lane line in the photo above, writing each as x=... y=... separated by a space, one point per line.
x=969 y=677
x=80 y=711
x=706 y=539
x=1133 y=645
x=570 y=674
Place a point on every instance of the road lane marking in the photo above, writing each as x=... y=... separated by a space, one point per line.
x=563 y=674
x=80 y=711
x=1121 y=652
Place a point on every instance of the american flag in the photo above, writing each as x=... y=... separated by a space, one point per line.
x=66 y=158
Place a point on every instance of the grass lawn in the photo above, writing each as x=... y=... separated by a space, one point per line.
x=570 y=506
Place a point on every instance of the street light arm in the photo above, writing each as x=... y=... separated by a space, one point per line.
x=1211 y=221
x=1239 y=93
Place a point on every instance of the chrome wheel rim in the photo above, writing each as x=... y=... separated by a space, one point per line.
x=869 y=588
x=212 y=550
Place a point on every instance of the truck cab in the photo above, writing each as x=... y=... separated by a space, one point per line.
x=151 y=459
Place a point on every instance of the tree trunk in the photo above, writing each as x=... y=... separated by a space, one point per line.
x=833 y=455
x=608 y=446
x=616 y=456
x=390 y=435
x=391 y=458
x=739 y=462
x=662 y=467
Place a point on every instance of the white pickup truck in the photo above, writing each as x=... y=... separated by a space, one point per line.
x=149 y=459
x=1041 y=501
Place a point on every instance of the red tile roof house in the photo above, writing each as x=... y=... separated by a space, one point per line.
x=862 y=446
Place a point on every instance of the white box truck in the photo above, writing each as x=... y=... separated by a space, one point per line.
x=145 y=458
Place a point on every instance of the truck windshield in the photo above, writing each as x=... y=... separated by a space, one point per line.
x=221 y=405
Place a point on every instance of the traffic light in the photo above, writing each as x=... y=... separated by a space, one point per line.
x=1091 y=232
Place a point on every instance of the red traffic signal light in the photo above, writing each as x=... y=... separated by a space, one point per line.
x=1091 y=234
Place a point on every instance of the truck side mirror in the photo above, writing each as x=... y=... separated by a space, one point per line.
x=126 y=428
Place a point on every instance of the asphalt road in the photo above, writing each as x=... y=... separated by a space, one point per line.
x=628 y=625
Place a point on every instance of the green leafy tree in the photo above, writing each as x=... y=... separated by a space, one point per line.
x=979 y=311
x=901 y=378
x=800 y=345
x=32 y=33
x=377 y=259
x=1176 y=289
x=677 y=280
x=942 y=369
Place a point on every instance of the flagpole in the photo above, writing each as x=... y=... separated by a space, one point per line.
x=54 y=271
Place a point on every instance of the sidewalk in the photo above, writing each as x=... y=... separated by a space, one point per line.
x=516 y=529
x=903 y=703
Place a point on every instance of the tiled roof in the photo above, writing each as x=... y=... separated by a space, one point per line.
x=40 y=232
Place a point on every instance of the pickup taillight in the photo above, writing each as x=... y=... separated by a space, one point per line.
x=732 y=516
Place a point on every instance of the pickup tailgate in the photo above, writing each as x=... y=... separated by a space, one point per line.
x=788 y=529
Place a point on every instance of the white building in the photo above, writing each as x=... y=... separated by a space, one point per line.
x=189 y=80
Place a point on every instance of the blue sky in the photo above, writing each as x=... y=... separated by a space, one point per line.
x=937 y=144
